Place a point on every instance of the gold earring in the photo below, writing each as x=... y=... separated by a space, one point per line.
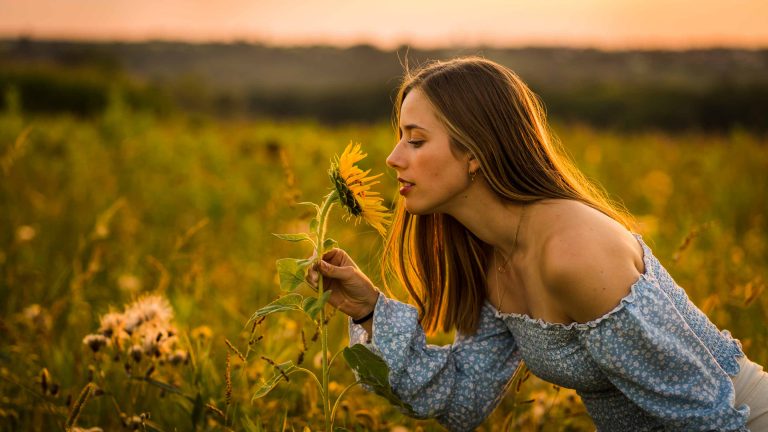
x=472 y=175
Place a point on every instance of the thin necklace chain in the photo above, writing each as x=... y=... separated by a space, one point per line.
x=503 y=267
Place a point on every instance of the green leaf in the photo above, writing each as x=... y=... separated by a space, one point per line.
x=270 y=384
x=329 y=244
x=371 y=370
x=288 y=302
x=197 y=411
x=312 y=306
x=313 y=224
x=291 y=272
x=295 y=237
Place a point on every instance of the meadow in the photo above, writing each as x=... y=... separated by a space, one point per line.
x=97 y=212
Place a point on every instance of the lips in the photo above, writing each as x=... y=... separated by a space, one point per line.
x=405 y=186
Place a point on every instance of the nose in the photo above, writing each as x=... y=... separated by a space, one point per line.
x=395 y=160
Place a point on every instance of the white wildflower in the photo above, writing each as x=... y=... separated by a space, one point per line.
x=146 y=309
x=110 y=324
x=95 y=341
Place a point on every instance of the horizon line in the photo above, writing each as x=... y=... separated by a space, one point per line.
x=380 y=47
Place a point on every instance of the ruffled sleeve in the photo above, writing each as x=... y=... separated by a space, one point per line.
x=649 y=352
x=458 y=384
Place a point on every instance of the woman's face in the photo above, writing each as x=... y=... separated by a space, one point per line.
x=432 y=178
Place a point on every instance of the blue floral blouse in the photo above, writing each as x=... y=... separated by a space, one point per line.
x=655 y=362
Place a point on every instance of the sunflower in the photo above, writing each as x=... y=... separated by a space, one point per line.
x=353 y=187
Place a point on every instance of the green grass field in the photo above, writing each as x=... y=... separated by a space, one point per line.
x=95 y=213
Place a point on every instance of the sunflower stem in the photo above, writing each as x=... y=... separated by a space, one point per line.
x=321 y=226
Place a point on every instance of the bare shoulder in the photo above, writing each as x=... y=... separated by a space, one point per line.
x=587 y=261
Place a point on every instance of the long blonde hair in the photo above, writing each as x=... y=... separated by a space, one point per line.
x=489 y=112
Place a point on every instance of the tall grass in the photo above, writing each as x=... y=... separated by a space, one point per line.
x=95 y=213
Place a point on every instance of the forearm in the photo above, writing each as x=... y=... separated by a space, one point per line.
x=458 y=384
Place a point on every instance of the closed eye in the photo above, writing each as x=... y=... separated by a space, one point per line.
x=416 y=143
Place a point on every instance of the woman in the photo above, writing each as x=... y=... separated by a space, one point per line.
x=499 y=236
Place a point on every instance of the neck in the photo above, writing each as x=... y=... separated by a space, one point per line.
x=490 y=218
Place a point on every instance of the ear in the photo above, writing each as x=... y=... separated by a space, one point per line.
x=474 y=165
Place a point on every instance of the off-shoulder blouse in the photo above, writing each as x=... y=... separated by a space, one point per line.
x=655 y=362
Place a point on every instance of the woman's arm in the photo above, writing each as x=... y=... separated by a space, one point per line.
x=458 y=384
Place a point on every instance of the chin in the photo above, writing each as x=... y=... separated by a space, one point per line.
x=417 y=210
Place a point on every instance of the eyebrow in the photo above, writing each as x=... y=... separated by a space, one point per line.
x=413 y=126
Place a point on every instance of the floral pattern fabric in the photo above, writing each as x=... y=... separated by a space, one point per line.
x=459 y=384
x=655 y=362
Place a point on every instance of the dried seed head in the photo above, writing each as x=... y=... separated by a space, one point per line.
x=133 y=422
x=178 y=357
x=151 y=347
x=95 y=341
x=276 y=366
x=228 y=379
x=149 y=308
x=78 y=406
x=213 y=409
x=136 y=352
x=111 y=324
x=300 y=360
x=235 y=350
x=45 y=380
x=36 y=317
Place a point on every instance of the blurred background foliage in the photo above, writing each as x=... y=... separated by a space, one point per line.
x=164 y=168
x=712 y=89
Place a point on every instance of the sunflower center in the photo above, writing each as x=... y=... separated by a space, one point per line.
x=346 y=195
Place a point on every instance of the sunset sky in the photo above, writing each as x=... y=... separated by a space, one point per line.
x=428 y=23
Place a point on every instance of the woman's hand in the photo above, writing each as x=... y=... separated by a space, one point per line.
x=351 y=290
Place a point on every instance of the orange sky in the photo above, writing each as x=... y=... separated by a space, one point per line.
x=594 y=23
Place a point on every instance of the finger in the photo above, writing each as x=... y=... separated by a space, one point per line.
x=339 y=258
x=334 y=256
x=332 y=271
x=311 y=277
